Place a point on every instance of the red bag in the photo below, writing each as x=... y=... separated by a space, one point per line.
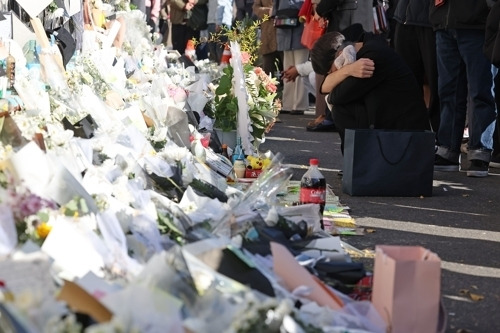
x=313 y=29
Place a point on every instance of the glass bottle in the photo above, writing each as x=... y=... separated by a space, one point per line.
x=238 y=151
x=313 y=187
x=11 y=70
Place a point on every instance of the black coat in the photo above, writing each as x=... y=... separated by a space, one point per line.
x=413 y=12
x=391 y=98
x=459 y=14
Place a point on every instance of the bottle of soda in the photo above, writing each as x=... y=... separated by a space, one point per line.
x=313 y=187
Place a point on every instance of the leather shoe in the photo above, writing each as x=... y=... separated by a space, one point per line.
x=322 y=127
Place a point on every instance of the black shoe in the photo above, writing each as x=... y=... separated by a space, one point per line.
x=442 y=164
x=322 y=127
x=495 y=161
x=297 y=112
x=478 y=168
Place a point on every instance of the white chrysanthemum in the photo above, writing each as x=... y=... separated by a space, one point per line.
x=60 y=138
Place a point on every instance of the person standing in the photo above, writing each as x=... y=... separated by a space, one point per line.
x=153 y=8
x=295 y=97
x=344 y=13
x=272 y=59
x=220 y=16
x=244 y=9
x=415 y=42
x=163 y=26
x=460 y=36
x=493 y=54
x=180 y=12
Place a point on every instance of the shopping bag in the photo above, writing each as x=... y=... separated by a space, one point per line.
x=388 y=162
x=312 y=31
x=406 y=288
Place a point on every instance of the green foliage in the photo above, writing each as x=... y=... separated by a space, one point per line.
x=225 y=103
x=245 y=33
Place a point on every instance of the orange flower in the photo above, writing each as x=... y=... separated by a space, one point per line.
x=43 y=230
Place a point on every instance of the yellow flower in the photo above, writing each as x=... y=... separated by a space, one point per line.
x=43 y=230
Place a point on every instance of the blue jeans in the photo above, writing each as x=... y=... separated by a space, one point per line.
x=465 y=82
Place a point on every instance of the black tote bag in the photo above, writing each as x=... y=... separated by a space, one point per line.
x=388 y=163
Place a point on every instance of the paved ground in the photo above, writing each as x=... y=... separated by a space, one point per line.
x=460 y=222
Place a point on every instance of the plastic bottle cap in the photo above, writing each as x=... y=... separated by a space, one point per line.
x=313 y=161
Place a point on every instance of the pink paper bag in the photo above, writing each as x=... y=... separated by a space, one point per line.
x=407 y=288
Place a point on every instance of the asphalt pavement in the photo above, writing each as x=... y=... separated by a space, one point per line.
x=460 y=222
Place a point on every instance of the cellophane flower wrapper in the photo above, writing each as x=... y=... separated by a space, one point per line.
x=356 y=317
x=244 y=126
x=8 y=233
x=179 y=220
x=204 y=209
x=76 y=248
x=217 y=293
x=52 y=71
x=262 y=194
x=137 y=34
x=115 y=240
x=148 y=310
x=36 y=100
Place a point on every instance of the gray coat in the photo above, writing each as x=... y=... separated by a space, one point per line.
x=288 y=38
x=343 y=13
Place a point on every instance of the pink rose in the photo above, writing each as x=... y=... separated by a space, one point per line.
x=245 y=57
x=271 y=87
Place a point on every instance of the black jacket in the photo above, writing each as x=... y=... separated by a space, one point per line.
x=392 y=98
x=459 y=14
x=413 y=12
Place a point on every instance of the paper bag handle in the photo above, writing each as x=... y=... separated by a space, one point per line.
x=402 y=155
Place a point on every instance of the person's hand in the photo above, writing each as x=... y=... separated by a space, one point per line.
x=290 y=74
x=188 y=6
x=362 y=68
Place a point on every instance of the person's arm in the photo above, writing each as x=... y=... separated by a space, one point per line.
x=362 y=68
x=291 y=73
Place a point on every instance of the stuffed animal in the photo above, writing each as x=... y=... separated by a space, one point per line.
x=258 y=163
x=255 y=162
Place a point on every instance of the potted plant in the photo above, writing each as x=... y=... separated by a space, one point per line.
x=261 y=89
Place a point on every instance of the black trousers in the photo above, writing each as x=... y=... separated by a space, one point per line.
x=417 y=46
x=496 y=134
x=350 y=116
x=181 y=33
